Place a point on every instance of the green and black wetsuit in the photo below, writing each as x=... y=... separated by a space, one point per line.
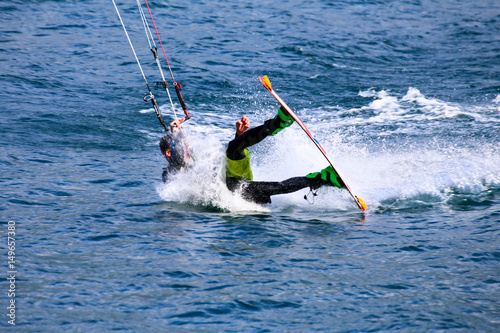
x=239 y=175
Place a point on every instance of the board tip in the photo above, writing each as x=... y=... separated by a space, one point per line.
x=266 y=81
x=362 y=203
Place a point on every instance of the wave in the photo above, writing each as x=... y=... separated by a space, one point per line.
x=388 y=114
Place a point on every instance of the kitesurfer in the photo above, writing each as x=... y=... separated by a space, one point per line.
x=239 y=177
x=176 y=150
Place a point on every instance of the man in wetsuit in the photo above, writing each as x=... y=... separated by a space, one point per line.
x=176 y=150
x=239 y=175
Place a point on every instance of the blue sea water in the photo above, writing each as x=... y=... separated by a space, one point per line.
x=403 y=95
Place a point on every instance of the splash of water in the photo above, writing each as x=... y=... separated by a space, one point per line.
x=204 y=183
x=388 y=173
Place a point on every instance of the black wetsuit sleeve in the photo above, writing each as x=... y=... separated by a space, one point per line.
x=236 y=147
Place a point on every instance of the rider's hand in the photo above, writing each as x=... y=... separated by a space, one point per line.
x=176 y=124
x=242 y=125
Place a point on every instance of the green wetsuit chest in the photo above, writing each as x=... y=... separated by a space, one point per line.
x=239 y=168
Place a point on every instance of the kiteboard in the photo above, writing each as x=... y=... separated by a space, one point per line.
x=267 y=84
